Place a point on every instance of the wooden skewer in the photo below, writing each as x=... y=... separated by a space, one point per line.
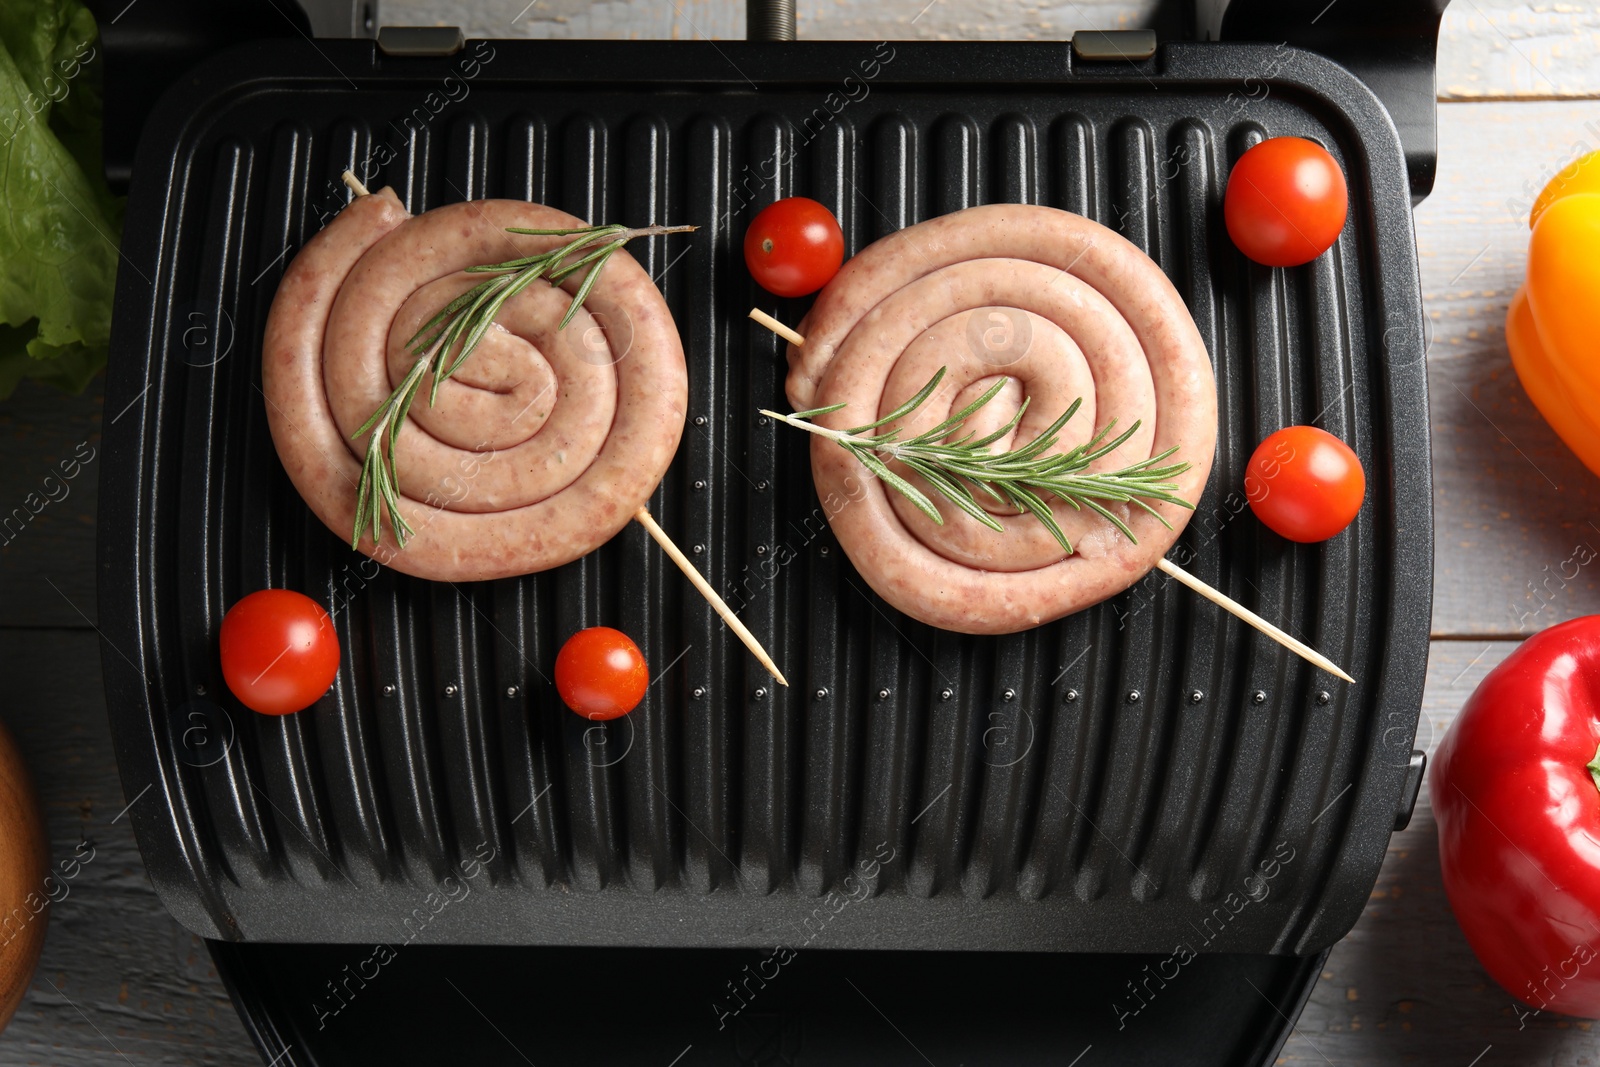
x=1298 y=647
x=674 y=553
x=1167 y=567
x=777 y=327
x=354 y=183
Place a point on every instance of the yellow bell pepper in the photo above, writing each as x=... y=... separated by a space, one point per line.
x=1553 y=327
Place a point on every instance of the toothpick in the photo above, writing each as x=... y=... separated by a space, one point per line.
x=354 y=183
x=644 y=518
x=777 y=327
x=1227 y=603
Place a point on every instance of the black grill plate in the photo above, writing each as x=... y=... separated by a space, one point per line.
x=1072 y=816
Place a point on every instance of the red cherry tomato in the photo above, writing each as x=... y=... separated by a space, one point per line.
x=600 y=673
x=1305 y=483
x=279 y=651
x=1286 y=202
x=794 y=247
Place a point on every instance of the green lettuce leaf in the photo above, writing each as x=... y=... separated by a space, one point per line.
x=59 y=225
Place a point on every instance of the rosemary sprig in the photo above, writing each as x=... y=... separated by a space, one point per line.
x=457 y=328
x=1021 y=477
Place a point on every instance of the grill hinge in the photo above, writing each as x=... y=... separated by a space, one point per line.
x=1408 y=793
x=1095 y=45
x=421 y=40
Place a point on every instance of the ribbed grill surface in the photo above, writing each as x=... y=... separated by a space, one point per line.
x=1113 y=781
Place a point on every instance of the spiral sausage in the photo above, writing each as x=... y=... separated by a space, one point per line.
x=541 y=446
x=1066 y=309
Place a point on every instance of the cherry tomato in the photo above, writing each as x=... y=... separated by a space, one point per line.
x=279 y=651
x=600 y=673
x=794 y=247
x=1304 y=483
x=1286 y=202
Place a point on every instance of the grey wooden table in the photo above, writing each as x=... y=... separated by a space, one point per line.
x=1519 y=87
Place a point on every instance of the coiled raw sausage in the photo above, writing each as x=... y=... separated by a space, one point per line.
x=1065 y=308
x=540 y=447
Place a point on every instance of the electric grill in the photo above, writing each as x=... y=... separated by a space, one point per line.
x=1081 y=806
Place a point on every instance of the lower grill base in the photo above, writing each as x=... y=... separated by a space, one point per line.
x=713 y=1007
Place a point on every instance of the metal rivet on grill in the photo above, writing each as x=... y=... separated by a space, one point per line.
x=199 y=690
x=761 y=420
x=698 y=549
x=699 y=420
x=451 y=690
x=1258 y=697
x=388 y=690
x=699 y=483
x=1324 y=697
x=761 y=692
x=1133 y=696
x=1070 y=696
x=1196 y=696
x=697 y=692
x=883 y=694
x=823 y=551
x=761 y=486
x=946 y=694
x=1009 y=694
x=761 y=550
x=822 y=694
x=511 y=691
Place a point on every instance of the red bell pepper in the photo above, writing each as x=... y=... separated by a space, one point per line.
x=1516 y=792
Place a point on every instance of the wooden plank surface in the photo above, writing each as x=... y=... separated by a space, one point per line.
x=120 y=980
x=47 y=517
x=1512 y=505
x=1506 y=49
